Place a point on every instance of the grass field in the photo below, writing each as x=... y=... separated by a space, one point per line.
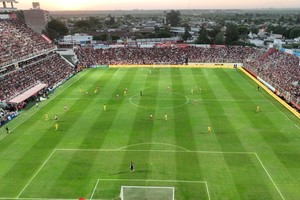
x=249 y=155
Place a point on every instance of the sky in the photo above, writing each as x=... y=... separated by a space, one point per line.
x=52 y=5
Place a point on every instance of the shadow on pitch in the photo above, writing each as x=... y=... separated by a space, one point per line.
x=135 y=171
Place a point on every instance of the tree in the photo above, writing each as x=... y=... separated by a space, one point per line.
x=295 y=32
x=163 y=33
x=56 y=29
x=93 y=21
x=232 y=34
x=102 y=37
x=281 y=20
x=203 y=36
x=243 y=31
x=219 y=39
x=82 y=25
x=254 y=29
x=186 y=35
x=111 y=21
x=279 y=30
x=214 y=33
x=298 y=19
x=173 y=18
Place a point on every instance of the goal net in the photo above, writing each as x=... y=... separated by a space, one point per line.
x=147 y=193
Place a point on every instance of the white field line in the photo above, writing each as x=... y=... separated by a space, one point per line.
x=232 y=100
x=44 y=104
x=3 y=136
x=4 y=198
x=165 y=144
x=152 y=187
x=94 y=190
x=284 y=114
x=140 y=75
x=153 y=180
x=173 y=193
x=280 y=111
x=269 y=176
x=36 y=173
x=116 y=74
x=158 y=180
x=207 y=190
x=167 y=151
x=205 y=72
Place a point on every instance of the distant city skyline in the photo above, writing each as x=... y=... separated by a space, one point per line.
x=53 y=5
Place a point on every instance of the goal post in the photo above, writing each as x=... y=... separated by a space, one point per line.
x=147 y=193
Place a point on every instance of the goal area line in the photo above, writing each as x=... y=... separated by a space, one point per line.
x=152 y=180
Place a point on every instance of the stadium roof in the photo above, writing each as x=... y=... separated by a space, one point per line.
x=7 y=8
x=9 y=1
x=27 y=94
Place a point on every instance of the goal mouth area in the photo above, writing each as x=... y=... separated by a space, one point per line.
x=150 y=189
x=147 y=192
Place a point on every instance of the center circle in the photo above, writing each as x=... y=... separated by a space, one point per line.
x=151 y=100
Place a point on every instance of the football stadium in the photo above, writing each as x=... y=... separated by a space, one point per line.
x=172 y=121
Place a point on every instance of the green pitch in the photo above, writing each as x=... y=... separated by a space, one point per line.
x=248 y=155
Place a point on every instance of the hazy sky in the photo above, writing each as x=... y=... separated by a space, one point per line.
x=156 y=4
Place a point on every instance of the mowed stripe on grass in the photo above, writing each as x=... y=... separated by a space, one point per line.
x=126 y=124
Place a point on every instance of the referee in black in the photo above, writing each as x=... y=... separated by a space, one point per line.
x=131 y=166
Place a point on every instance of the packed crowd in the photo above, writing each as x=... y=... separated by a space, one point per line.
x=166 y=55
x=50 y=69
x=282 y=71
x=279 y=69
x=19 y=41
x=7 y=69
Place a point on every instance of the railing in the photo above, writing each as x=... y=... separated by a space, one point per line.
x=24 y=58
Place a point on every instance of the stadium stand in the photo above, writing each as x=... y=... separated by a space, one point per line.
x=280 y=69
x=49 y=70
x=18 y=42
x=28 y=61
x=28 y=65
x=164 y=55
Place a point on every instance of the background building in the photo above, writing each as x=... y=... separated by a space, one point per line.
x=36 y=18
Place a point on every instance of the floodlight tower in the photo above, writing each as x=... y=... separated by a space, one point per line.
x=6 y=7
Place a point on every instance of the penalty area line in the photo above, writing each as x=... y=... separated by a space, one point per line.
x=265 y=169
x=30 y=180
x=207 y=190
x=94 y=190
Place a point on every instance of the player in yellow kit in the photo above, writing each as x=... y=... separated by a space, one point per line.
x=257 y=108
x=209 y=129
x=56 y=126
